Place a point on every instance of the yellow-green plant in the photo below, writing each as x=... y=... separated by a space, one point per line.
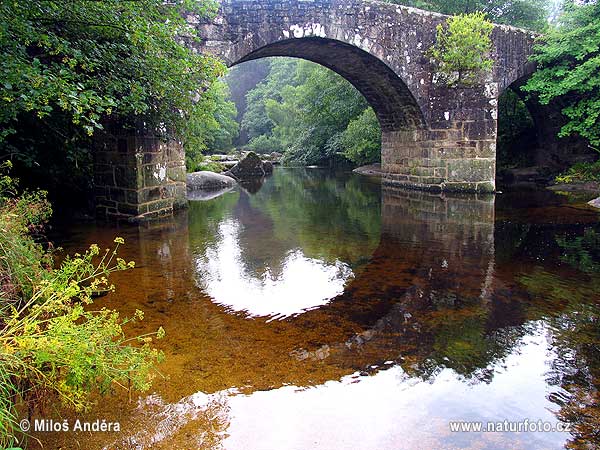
x=54 y=341
x=462 y=49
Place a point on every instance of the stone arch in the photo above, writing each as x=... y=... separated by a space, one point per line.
x=389 y=96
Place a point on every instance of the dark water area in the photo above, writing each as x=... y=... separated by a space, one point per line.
x=324 y=311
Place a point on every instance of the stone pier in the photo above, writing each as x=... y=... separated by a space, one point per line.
x=138 y=176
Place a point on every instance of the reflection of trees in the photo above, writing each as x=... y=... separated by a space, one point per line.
x=575 y=339
x=204 y=218
x=328 y=217
x=582 y=252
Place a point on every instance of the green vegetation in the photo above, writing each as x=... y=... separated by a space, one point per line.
x=216 y=129
x=531 y=14
x=580 y=172
x=54 y=342
x=568 y=59
x=310 y=114
x=205 y=164
x=67 y=69
x=462 y=49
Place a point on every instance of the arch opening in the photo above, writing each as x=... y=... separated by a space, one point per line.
x=395 y=106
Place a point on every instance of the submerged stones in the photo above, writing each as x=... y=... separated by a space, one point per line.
x=370 y=170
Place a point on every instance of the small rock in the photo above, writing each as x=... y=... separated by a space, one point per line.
x=268 y=167
x=595 y=203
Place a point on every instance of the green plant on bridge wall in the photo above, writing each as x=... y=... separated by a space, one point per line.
x=461 y=52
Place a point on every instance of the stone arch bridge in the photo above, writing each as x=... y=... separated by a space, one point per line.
x=433 y=137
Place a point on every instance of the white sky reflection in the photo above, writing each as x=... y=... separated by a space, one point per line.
x=302 y=284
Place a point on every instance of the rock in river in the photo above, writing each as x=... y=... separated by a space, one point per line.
x=595 y=203
x=208 y=181
x=250 y=166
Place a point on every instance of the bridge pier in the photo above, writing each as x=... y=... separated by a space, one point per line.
x=455 y=152
x=138 y=176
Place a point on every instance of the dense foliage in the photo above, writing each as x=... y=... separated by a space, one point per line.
x=568 y=59
x=462 y=49
x=531 y=14
x=52 y=342
x=68 y=68
x=311 y=114
x=215 y=129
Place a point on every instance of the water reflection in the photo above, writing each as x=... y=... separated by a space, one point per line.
x=295 y=285
x=430 y=308
x=258 y=264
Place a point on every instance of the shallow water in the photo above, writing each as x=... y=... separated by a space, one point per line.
x=323 y=311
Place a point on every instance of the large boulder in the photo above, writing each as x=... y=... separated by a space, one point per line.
x=208 y=181
x=250 y=166
x=268 y=167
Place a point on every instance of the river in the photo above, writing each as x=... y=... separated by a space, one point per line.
x=324 y=311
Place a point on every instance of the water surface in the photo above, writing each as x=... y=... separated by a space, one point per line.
x=324 y=311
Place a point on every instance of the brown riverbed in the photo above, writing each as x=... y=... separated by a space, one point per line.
x=324 y=312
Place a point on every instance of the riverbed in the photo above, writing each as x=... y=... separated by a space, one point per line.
x=318 y=310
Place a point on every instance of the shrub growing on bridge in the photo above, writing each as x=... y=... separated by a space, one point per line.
x=462 y=49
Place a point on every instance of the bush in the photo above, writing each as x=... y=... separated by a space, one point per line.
x=362 y=139
x=580 y=172
x=53 y=345
x=265 y=144
x=207 y=165
x=462 y=49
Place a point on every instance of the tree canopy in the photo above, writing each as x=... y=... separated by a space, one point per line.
x=311 y=113
x=462 y=49
x=568 y=59
x=531 y=14
x=67 y=68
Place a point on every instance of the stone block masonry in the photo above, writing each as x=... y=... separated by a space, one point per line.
x=434 y=137
x=138 y=177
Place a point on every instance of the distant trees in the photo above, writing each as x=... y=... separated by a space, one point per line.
x=311 y=114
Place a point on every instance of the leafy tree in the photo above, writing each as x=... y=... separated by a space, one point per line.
x=362 y=139
x=215 y=128
x=462 y=49
x=68 y=68
x=568 y=59
x=531 y=14
x=255 y=121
